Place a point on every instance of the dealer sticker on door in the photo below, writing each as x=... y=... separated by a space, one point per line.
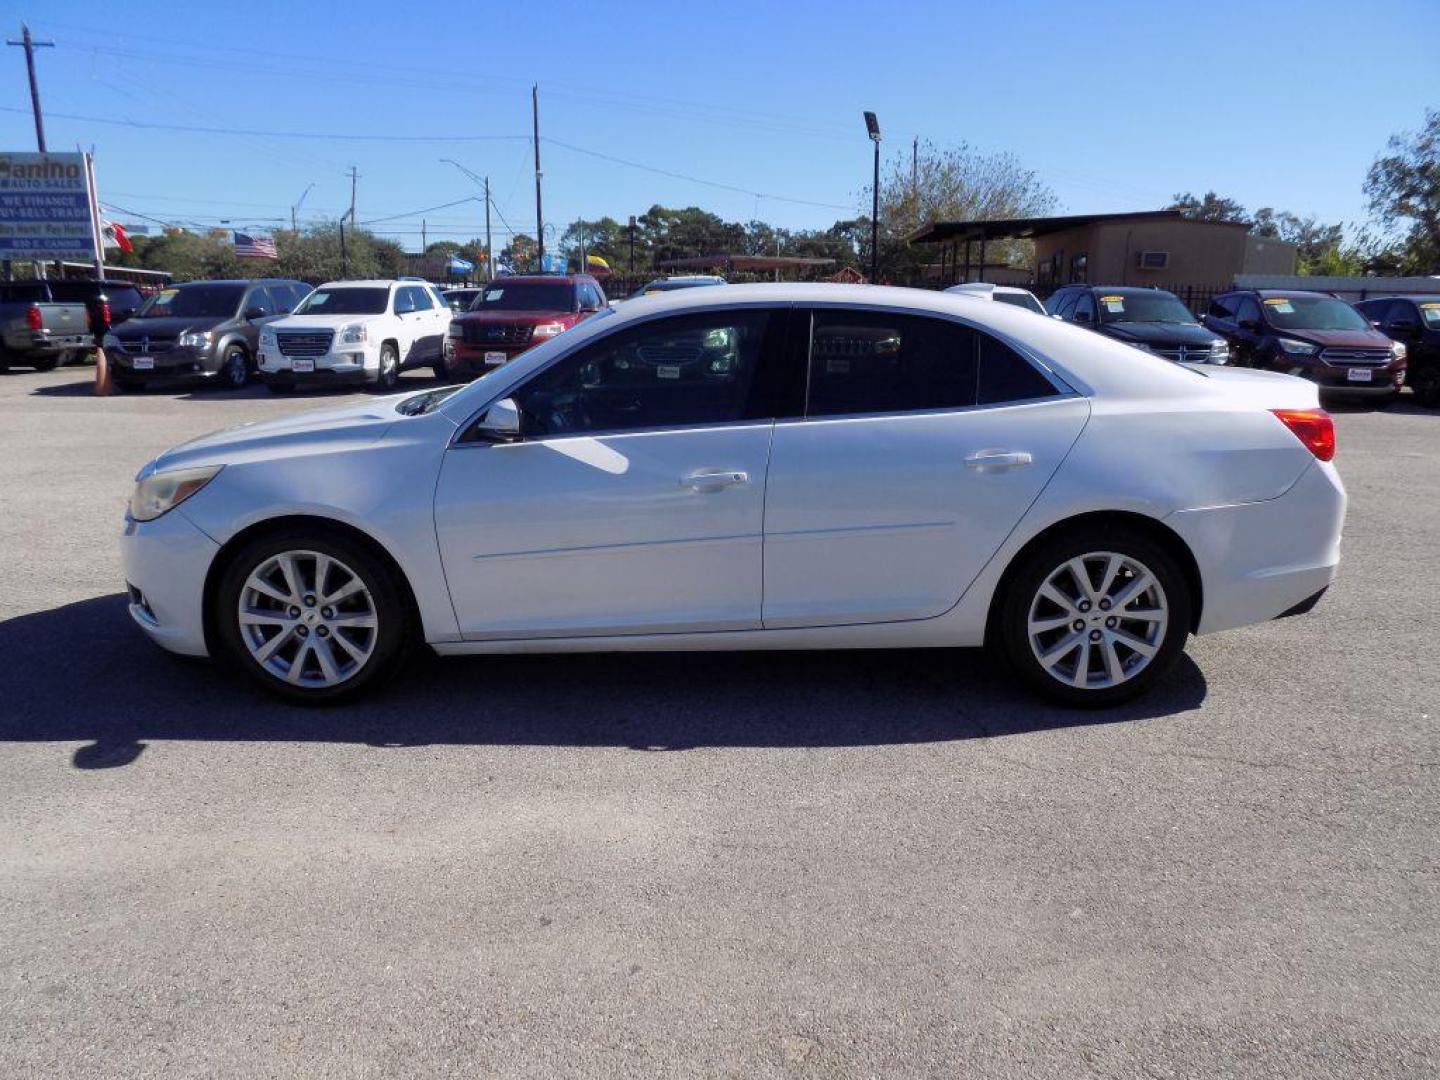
x=1360 y=374
x=493 y=358
x=302 y=365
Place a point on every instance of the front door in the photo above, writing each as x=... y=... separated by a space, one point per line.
x=633 y=502
x=923 y=444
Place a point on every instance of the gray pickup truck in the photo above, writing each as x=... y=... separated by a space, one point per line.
x=36 y=329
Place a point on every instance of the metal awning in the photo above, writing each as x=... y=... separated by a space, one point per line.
x=944 y=232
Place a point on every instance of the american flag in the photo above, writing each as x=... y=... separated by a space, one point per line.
x=255 y=247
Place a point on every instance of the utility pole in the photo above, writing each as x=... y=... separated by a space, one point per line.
x=29 y=44
x=344 y=256
x=354 y=176
x=539 y=217
x=423 y=234
x=872 y=127
x=489 y=256
x=632 y=251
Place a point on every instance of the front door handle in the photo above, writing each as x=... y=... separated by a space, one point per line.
x=998 y=460
x=714 y=479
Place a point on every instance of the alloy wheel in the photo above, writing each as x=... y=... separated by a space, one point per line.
x=1097 y=620
x=308 y=619
x=236 y=371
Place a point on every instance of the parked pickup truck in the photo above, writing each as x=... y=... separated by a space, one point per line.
x=37 y=330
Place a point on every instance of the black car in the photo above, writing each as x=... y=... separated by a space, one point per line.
x=1150 y=319
x=1414 y=321
x=201 y=330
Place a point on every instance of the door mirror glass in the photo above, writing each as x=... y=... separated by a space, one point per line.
x=501 y=422
x=253 y=313
x=1082 y=316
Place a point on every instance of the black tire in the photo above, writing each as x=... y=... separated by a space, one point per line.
x=388 y=375
x=1427 y=388
x=388 y=601
x=1021 y=592
x=234 y=371
x=129 y=386
x=279 y=387
x=46 y=363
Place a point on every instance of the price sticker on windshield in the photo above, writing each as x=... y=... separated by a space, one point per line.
x=1113 y=304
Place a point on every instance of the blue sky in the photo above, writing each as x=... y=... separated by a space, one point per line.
x=1116 y=106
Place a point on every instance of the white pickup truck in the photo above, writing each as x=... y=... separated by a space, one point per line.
x=355 y=332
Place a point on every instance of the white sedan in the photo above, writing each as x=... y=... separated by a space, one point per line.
x=756 y=467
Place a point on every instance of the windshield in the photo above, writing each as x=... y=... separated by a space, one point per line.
x=1022 y=300
x=1312 y=313
x=1430 y=312
x=1161 y=307
x=193 y=302
x=346 y=301
x=527 y=296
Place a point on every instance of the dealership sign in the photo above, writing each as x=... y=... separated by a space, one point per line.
x=47 y=207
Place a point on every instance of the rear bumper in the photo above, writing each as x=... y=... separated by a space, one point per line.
x=165 y=563
x=44 y=344
x=1260 y=560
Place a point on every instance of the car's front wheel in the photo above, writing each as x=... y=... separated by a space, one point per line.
x=235 y=367
x=388 y=376
x=313 y=616
x=1094 y=618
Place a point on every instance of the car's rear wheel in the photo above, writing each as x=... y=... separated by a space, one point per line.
x=1094 y=618
x=314 y=617
x=46 y=363
x=235 y=367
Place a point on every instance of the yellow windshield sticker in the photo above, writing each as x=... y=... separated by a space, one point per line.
x=1432 y=306
x=1112 y=299
x=1276 y=301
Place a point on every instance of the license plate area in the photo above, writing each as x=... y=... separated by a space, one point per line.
x=144 y=363
x=302 y=365
x=1360 y=374
x=494 y=358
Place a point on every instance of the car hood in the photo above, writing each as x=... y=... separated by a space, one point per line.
x=172 y=327
x=319 y=322
x=499 y=315
x=311 y=431
x=1343 y=339
x=1158 y=333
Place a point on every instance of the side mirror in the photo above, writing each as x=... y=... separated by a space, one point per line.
x=1082 y=317
x=501 y=422
x=253 y=313
x=1403 y=328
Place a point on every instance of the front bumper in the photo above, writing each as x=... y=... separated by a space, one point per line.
x=464 y=358
x=1260 y=560
x=172 y=365
x=166 y=562
x=347 y=364
x=1383 y=380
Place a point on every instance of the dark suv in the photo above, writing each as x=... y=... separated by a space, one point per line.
x=513 y=313
x=1150 y=319
x=1312 y=335
x=201 y=330
x=1414 y=321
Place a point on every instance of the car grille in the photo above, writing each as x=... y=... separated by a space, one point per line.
x=1347 y=357
x=145 y=345
x=1183 y=354
x=305 y=342
x=497 y=333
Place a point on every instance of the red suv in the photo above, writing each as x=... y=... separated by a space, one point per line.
x=513 y=313
x=1312 y=335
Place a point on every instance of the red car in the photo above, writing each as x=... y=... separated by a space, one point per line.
x=513 y=313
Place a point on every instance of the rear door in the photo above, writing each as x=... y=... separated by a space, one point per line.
x=923 y=443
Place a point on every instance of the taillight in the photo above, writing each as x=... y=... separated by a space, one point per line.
x=104 y=313
x=1313 y=427
x=33 y=319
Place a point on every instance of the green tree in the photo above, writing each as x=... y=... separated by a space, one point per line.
x=1403 y=186
x=1317 y=244
x=1210 y=207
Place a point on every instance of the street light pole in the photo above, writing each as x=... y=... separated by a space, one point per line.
x=29 y=44
x=872 y=126
x=539 y=217
x=489 y=256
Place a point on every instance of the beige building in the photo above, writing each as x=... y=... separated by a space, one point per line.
x=1153 y=247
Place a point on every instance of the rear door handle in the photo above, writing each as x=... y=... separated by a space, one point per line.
x=998 y=460
x=714 y=479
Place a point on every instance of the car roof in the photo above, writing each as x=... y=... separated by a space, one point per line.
x=374 y=283
x=549 y=279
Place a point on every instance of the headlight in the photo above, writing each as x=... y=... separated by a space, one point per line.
x=1298 y=348
x=195 y=339
x=1397 y=350
x=549 y=329
x=1220 y=352
x=267 y=339
x=161 y=492
x=110 y=341
x=454 y=330
x=354 y=334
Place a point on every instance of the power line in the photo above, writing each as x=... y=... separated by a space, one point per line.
x=424 y=210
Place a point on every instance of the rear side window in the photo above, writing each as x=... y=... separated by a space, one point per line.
x=877 y=362
x=1005 y=375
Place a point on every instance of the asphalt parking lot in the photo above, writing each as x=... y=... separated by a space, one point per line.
x=866 y=864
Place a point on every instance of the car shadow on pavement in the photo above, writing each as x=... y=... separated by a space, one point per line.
x=117 y=692
x=415 y=380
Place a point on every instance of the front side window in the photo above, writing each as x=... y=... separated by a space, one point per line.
x=420 y=299
x=1430 y=312
x=1223 y=307
x=1084 y=308
x=346 y=300
x=260 y=298
x=877 y=362
x=1248 y=311
x=676 y=372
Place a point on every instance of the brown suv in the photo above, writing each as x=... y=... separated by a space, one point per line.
x=513 y=313
x=1312 y=335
